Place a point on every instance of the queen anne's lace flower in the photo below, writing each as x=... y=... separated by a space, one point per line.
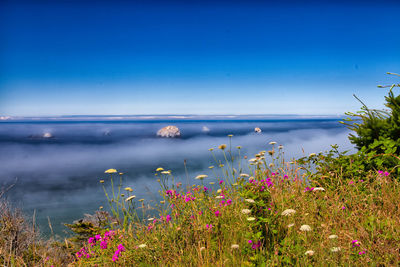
x=288 y=212
x=305 y=228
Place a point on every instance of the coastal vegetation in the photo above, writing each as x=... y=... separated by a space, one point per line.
x=324 y=209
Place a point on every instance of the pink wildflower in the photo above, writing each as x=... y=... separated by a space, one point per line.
x=362 y=252
x=217 y=213
x=343 y=208
x=103 y=244
x=209 y=226
x=229 y=202
x=250 y=241
x=355 y=243
x=168 y=218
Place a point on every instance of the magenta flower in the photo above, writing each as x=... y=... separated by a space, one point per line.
x=205 y=189
x=351 y=182
x=355 y=243
x=98 y=237
x=343 y=208
x=250 y=241
x=285 y=176
x=209 y=226
x=229 y=202
x=217 y=213
x=362 y=252
x=221 y=181
x=168 y=218
x=103 y=244
x=256 y=245
x=308 y=189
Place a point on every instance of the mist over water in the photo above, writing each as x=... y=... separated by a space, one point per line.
x=59 y=176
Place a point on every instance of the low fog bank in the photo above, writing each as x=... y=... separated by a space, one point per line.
x=61 y=180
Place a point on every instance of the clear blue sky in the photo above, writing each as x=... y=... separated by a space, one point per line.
x=202 y=57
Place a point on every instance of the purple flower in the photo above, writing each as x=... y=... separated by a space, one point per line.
x=168 y=218
x=121 y=247
x=308 y=189
x=250 y=241
x=343 y=208
x=256 y=245
x=103 y=244
x=229 y=202
x=217 y=213
x=205 y=189
x=98 y=237
x=221 y=181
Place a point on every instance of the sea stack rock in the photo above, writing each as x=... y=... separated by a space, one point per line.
x=257 y=130
x=169 y=132
x=47 y=135
x=205 y=129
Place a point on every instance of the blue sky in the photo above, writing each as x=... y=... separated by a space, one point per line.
x=202 y=57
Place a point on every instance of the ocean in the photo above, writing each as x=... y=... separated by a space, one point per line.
x=56 y=163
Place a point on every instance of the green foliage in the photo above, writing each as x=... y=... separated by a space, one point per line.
x=377 y=133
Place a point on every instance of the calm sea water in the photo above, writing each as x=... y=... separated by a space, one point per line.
x=59 y=177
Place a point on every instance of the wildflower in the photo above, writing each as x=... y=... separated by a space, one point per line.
x=256 y=245
x=166 y=172
x=142 y=246
x=211 y=167
x=97 y=237
x=271 y=165
x=249 y=200
x=219 y=197
x=222 y=147
x=129 y=198
x=202 y=248
x=159 y=169
x=253 y=160
x=290 y=225
x=230 y=135
x=244 y=175
x=228 y=202
x=305 y=228
x=343 y=208
x=128 y=189
x=219 y=191
x=211 y=183
x=103 y=244
x=101 y=181
x=168 y=218
x=309 y=252
x=205 y=189
x=335 y=249
x=355 y=243
x=318 y=189
x=362 y=252
x=201 y=177
x=141 y=200
x=217 y=213
x=272 y=143
x=288 y=212
x=250 y=241
x=308 y=189
x=209 y=226
x=312 y=155
x=250 y=219
x=111 y=171
x=150 y=219
x=332 y=236
x=235 y=246
x=246 y=211
x=121 y=173
x=221 y=181
x=238 y=147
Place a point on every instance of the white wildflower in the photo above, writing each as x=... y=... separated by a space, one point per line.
x=318 y=189
x=288 y=212
x=332 y=236
x=290 y=225
x=201 y=177
x=272 y=143
x=309 y=252
x=129 y=198
x=335 y=249
x=250 y=219
x=246 y=211
x=249 y=200
x=142 y=246
x=235 y=246
x=305 y=228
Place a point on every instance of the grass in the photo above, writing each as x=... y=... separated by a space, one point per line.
x=262 y=211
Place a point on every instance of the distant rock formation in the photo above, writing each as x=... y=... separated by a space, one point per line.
x=257 y=130
x=47 y=135
x=205 y=129
x=107 y=133
x=169 y=132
